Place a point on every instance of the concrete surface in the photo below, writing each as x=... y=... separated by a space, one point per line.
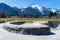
x=4 y=35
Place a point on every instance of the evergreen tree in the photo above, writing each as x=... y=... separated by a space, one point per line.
x=52 y=14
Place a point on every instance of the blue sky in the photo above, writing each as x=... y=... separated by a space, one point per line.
x=25 y=3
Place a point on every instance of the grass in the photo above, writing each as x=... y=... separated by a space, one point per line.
x=33 y=19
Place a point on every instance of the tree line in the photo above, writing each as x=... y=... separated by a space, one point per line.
x=51 y=14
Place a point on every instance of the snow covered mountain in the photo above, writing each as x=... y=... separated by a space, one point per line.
x=30 y=10
x=36 y=9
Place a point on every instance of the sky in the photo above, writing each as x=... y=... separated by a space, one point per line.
x=25 y=3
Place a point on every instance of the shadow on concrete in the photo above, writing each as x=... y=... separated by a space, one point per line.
x=18 y=23
x=31 y=31
x=38 y=31
x=50 y=33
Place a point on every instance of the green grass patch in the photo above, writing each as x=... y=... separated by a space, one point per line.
x=32 y=19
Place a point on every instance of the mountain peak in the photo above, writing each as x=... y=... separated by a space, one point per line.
x=6 y=8
x=36 y=6
x=2 y=4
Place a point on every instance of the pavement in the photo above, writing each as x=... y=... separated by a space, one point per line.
x=5 y=35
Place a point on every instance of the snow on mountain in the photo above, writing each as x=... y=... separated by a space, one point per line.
x=36 y=9
x=37 y=6
x=58 y=11
x=30 y=10
x=53 y=10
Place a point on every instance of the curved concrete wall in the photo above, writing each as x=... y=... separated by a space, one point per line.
x=53 y=24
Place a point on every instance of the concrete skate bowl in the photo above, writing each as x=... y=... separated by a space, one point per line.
x=28 y=28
